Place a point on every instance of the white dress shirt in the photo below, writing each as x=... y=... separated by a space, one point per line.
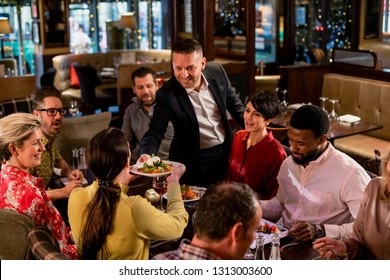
x=328 y=191
x=211 y=129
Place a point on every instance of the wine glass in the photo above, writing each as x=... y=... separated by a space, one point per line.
x=283 y=103
x=323 y=100
x=73 y=108
x=333 y=117
x=159 y=184
x=116 y=61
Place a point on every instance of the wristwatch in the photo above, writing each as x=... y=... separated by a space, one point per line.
x=320 y=232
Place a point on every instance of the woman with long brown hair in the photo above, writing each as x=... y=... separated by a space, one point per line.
x=108 y=224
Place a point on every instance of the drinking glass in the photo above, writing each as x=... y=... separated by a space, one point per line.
x=73 y=108
x=323 y=100
x=283 y=103
x=159 y=184
x=116 y=61
x=249 y=255
x=333 y=117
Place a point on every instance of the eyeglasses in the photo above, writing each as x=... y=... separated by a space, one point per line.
x=53 y=111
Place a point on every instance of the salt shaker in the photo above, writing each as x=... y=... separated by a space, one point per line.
x=259 y=254
x=275 y=249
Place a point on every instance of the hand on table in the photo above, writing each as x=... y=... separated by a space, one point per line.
x=303 y=231
x=330 y=249
x=75 y=175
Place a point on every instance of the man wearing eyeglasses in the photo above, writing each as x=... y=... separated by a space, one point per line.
x=48 y=106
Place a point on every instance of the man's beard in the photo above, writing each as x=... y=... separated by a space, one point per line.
x=310 y=156
x=148 y=103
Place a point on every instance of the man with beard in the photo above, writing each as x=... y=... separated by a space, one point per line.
x=139 y=113
x=320 y=188
x=48 y=107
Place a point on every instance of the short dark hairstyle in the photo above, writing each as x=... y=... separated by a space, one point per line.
x=222 y=206
x=142 y=72
x=187 y=46
x=39 y=94
x=266 y=103
x=312 y=118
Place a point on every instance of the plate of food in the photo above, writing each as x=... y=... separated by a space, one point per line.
x=154 y=167
x=190 y=193
x=266 y=228
x=65 y=181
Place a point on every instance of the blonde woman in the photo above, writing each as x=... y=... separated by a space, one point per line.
x=20 y=149
x=371 y=231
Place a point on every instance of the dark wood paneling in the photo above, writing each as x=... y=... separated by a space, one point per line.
x=303 y=82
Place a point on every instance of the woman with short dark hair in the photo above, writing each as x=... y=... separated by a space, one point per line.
x=256 y=156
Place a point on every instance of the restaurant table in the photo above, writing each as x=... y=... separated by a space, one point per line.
x=336 y=131
x=300 y=251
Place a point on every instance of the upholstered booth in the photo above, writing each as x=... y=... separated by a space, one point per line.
x=62 y=64
x=14 y=229
x=43 y=244
x=9 y=63
x=77 y=131
x=370 y=100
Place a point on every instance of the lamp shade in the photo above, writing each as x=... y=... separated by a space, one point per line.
x=5 y=27
x=127 y=20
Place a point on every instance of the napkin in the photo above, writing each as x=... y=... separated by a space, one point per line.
x=349 y=118
x=295 y=106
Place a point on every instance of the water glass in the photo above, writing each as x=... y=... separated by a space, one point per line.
x=73 y=108
x=160 y=185
x=323 y=100
x=333 y=117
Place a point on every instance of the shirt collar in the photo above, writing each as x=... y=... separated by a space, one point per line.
x=324 y=156
x=44 y=140
x=123 y=187
x=204 y=84
x=187 y=248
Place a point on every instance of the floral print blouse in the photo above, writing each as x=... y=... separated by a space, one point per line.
x=24 y=193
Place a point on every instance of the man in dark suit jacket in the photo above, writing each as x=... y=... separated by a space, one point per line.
x=196 y=100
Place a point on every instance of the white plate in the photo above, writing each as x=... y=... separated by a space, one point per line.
x=267 y=237
x=195 y=189
x=135 y=167
x=65 y=181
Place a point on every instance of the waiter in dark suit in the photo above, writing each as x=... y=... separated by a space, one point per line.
x=196 y=101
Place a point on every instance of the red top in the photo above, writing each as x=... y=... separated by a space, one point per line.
x=24 y=193
x=258 y=166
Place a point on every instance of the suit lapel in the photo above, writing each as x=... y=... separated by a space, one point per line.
x=185 y=103
x=217 y=96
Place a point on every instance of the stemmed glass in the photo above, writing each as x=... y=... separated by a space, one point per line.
x=160 y=185
x=283 y=103
x=73 y=108
x=323 y=100
x=333 y=117
x=116 y=61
